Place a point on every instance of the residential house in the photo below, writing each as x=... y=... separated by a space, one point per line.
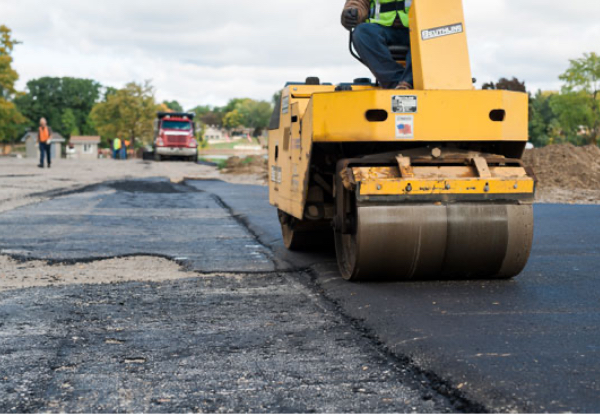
x=214 y=134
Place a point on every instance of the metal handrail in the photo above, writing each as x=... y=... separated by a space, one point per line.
x=351 y=47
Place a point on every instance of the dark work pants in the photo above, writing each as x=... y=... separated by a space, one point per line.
x=371 y=41
x=44 y=151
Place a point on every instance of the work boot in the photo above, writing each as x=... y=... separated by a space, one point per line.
x=404 y=86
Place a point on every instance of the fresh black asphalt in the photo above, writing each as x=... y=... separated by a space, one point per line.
x=530 y=344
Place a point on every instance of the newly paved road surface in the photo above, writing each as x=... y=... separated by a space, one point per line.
x=531 y=344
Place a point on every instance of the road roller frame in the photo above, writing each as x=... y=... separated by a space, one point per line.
x=442 y=163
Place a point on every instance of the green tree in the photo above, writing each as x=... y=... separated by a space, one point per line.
x=11 y=120
x=506 y=85
x=248 y=113
x=109 y=90
x=574 y=115
x=173 y=106
x=232 y=105
x=582 y=87
x=233 y=119
x=51 y=98
x=201 y=110
x=239 y=112
x=255 y=114
x=214 y=117
x=542 y=119
x=69 y=123
x=128 y=113
x=8 y=76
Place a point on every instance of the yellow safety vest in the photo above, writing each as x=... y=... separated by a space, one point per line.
x=384 y=12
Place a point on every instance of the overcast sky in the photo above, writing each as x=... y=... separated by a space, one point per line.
x=206 y=52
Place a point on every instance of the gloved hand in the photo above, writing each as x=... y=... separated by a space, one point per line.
x=350 y=18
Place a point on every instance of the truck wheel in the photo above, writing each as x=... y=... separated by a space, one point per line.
x=302 y=235
x=157 y=157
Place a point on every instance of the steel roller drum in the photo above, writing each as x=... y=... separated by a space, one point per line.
x=456 y=241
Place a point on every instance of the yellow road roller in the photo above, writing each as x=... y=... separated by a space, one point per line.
x=411 y=184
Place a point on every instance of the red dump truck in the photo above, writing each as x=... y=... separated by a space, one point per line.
x=174 y=136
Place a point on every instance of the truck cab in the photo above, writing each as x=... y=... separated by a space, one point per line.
x=174 y=136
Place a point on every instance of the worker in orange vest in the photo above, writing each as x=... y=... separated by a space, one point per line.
x=44 y=140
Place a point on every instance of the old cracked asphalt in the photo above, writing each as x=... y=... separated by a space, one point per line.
x=256 y=328
x=243 y=332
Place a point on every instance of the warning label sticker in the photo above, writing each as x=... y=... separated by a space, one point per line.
x=405 y=127
x=285 y=105
x=276 y=174
x=404 y=104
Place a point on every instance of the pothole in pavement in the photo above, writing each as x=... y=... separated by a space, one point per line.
x=16 y=274
x=149 y=187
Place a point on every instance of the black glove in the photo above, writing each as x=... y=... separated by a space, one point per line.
x=350 y=18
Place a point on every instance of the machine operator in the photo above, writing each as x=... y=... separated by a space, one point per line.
x=378 y=24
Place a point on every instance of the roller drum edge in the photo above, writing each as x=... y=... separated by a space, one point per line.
x=458 y=241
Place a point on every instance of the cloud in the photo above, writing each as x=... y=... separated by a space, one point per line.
x=206 y=52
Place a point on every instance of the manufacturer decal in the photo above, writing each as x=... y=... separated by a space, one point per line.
x=276 y=174
x=404 y=104
x=405 y=126
x=442 y=31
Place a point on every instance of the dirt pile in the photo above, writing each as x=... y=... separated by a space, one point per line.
x=253 y=164
x=566 y=173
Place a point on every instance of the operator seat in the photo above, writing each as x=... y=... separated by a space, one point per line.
x=399 y=53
